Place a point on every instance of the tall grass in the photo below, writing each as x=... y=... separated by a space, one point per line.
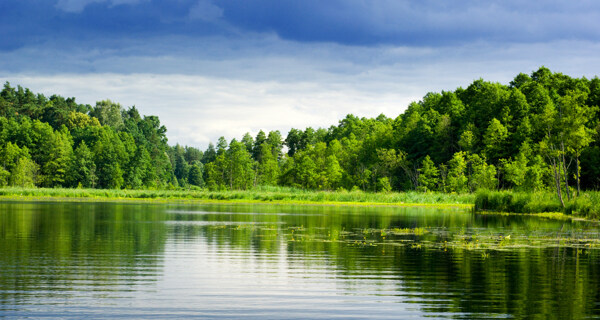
x=586 y=205
x=259 y=194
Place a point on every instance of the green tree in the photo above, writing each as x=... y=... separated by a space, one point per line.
x=428 y=175
x=306 y=171
x=210 y=154
x=80 y=120
x=456 y=179
x=24 y=173
x=10 y=154
x=110 y=155
x=82 y=169
x=221 y=145
x=196 y=173
x=332 y=173
x=108 y=113
x=240 y=167
x=495 y=140
x=275 y=142
x=261 y=138
x=482 y=175
x=576 y=135
x=268 y=169
x=248 y=141
x=515 y=169
x=467 y=141
x=383 y=185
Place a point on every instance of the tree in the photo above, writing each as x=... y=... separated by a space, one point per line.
x=215 y=173
x=210 y=154
x=180 y=165
x=108 y=113
x=139 y=171
x=576 y=135
x=110 y=155
x=483 y=175
x=221 y=145
x=275 y=142
x=248 y=141
x=536 y=174
x=267 y=170
x=495 y=139
x=192 y=154
x=332 y=173
x=82 y=169
x=293 y=141
x=428 y=175
x=516 y=169
x=456 y=180
x=196 y=173
x=239 y=164
x=24 y=173
x=383 y=185
x=389 y=161
x=10 y=155
x=306 y=171
x=467 y=141
x=261 y=138
x=81 y=120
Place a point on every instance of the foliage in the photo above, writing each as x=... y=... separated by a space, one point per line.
x=539 y=133
x=586 y=205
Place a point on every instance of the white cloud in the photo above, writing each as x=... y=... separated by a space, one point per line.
x=205 y=11
x=225 y=87
x=77 y=6
x=197 y=110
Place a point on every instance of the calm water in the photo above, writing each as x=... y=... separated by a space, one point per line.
x=115 y=260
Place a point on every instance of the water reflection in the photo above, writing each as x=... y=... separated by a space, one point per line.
x=172 y=261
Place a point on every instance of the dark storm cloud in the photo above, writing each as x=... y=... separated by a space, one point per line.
x=433 y=22
x=347 y=22
x=29 y=22
x=235 y=66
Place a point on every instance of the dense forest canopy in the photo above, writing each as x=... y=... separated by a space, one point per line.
x=538 y=132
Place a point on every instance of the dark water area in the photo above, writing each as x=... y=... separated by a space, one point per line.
x=157 y=261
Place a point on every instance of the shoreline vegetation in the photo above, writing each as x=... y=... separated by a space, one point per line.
x=263 y=194
x=586 y=205
x=535 y=143
x=543 y=204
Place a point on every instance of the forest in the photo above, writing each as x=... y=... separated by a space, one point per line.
x=539 y=132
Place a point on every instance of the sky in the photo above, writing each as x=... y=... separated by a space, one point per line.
x=211 y=68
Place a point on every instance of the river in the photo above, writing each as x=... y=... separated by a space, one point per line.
x=76 y=260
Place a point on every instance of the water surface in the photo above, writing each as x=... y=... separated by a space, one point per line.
x=124 y=260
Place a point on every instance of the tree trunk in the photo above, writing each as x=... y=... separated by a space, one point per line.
x=577 y=172
x=557 y=181
x=565 y=171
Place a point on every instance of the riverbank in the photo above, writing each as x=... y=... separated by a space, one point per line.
x=586 y=205
x=271 y=195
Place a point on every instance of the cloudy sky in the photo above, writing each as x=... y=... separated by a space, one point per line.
x=209 y=68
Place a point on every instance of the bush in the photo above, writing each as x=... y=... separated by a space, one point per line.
x=586 y=205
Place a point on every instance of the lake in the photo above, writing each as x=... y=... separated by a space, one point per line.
x=140 y=260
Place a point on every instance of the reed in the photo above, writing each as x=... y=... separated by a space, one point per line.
x=259 y=194
x=586 y=205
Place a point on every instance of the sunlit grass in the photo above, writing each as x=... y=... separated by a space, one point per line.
x=586 y=205
x=262 y=194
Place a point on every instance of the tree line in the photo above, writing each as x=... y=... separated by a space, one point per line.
x=538 y=132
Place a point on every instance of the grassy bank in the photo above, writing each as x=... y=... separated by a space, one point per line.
x=258 y=195
x=586 y=205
